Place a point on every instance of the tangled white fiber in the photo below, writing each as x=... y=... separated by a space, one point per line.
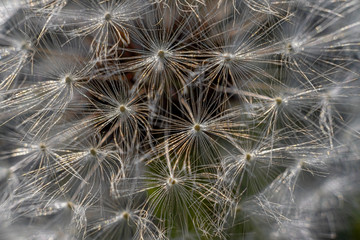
x=179 y=119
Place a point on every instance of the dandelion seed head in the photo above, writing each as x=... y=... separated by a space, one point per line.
x=248 y=157
x=278 y=101
x=122 y=108
x=70 y=205
x=107 y=17
x=197 y=127
x=26 y=46
x=177 y=119
x=42 y=147
x=93 y=152
x=288 y=48
x=125 y=215
x=292 y=47
x=171 y=181
x=67 y=79
x=227 y=57
x=161 y=53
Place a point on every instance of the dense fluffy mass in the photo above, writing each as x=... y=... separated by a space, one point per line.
x=179 y=119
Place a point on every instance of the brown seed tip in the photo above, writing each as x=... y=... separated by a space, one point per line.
x=122 y=108
x=93 y=152
x=161 y=54
x=68 y=79
x=42 y=147
x=70 y=205
x=289 y=48
x=228 y=57
x=107 y=17
x=125 y=215
x=172 y=181
x=197 y=127
x=278 y=100
x=26 y=46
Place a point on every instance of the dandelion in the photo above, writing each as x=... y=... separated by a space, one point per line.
x=200 y=128
x=162 y=61
x=171 y=188
x=18 y=46
x=236 y=49
x=52 y=215
x=28 y=152
x=117 y=107
x=106 y=22
x=57 y=81
x=93 y=164
x=125 y=219
x=294 y=105
x=179 y=119
x=257 y=161
x=310 y=49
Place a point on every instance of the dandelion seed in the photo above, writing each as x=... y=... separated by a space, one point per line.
x=278 y=100
x=106 y=22
x=171 y=181
x=200 y=128
x=172 y=188
x=93 y=152
x=235 y=49
x=107 y=16
x=93 y=165
x=178 y=119
x=122 y=108
x=309 y=44
x=163 y=61
x=125 y=215
x=68 y=80
x=125 y=219
x=119 y=108
x=197 y=127
x=18 y=47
